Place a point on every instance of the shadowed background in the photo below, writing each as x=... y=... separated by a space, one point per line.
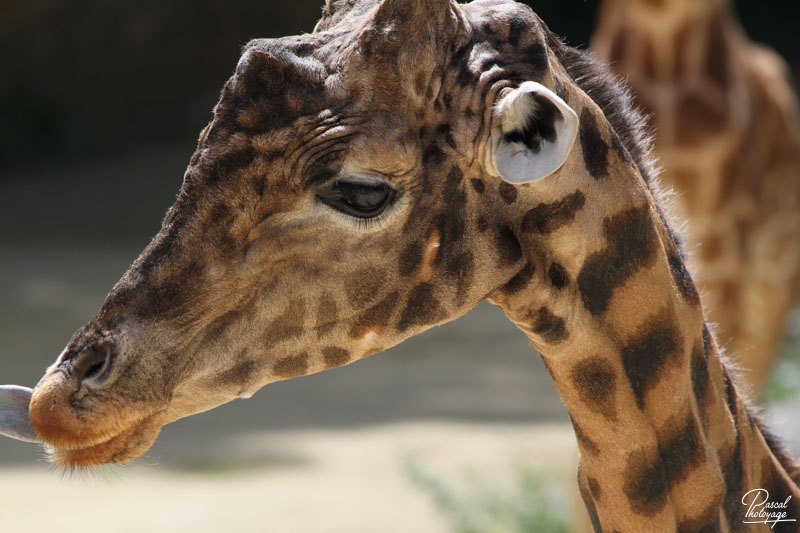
x=86 y=77
x=100 y=107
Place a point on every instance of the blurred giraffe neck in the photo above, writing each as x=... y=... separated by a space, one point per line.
x=667 y=39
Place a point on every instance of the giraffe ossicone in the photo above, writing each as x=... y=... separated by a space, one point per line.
x=276 y=261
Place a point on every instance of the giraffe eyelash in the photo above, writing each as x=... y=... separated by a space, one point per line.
x=363 y=202
x=370 y=225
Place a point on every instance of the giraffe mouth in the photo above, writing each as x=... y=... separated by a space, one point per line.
x=79 y=433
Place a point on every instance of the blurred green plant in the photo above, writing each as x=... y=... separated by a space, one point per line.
x=539 y=503
x=784 y=383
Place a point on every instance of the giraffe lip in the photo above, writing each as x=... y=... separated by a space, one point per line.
x=119 y=448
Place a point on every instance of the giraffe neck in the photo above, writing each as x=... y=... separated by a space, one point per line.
x=666 y=440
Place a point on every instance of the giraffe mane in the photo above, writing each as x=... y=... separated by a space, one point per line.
x=776 y=445
x=609 y=92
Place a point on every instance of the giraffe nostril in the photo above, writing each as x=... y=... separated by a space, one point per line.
x=94 y=363
x=94 y=369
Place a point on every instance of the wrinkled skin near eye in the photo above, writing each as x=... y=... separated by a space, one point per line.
x=361 y=199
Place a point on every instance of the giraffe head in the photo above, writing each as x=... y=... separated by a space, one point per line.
x=356 y=186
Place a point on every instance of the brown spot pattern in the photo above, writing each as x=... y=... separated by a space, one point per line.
x=240 y=374
x=508 y=193
x=509 y=249
x=594 y=147
x=410 y=258
x=595 y=382
x=376 y=316
x=619 y=48
x=421 y=309
x=547 y=218
x=292 y=366
x=645 y=355
x=644 y=483
x=631 y=246
x=327 y=314
x=288 y=325
x=558 y=276
x=586 y=443
x=594 y=486
x=549 y=327
x=699 y=118
x=461 y=268
x=590 y=503
x=519 y=281
x=700 y=377
x=717 y=53
x=335 y=356
x=682 y=278
x=681 y=452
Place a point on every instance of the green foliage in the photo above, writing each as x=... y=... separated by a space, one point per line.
x=538 y=503
x=785 y=381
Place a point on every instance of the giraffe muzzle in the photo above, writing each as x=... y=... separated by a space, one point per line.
x=81 y=410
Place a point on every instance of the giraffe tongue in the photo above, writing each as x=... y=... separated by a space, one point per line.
x=14 y=419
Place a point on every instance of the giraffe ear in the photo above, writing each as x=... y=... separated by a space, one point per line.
x=535 y=134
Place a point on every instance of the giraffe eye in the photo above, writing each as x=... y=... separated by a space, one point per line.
x=356 y=198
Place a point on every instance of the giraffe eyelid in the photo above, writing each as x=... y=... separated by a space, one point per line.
x=329 y=194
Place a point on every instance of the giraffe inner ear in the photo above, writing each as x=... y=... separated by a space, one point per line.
x=536 y=132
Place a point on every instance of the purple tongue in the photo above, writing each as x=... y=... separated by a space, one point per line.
x=14 y=419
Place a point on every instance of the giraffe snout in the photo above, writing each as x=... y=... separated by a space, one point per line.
x=83 y=409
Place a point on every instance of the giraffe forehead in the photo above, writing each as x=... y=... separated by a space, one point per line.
x=296 y=94
x=350 y=51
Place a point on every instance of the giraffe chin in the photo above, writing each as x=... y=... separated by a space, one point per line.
x=120 y=448
x=80 y=434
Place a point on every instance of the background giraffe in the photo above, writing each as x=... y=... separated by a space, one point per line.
x=726 y=130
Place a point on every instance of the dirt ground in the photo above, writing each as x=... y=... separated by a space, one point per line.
x=325 y=481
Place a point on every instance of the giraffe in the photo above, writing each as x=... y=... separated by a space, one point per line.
x=384 y=174
x=727 y=131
